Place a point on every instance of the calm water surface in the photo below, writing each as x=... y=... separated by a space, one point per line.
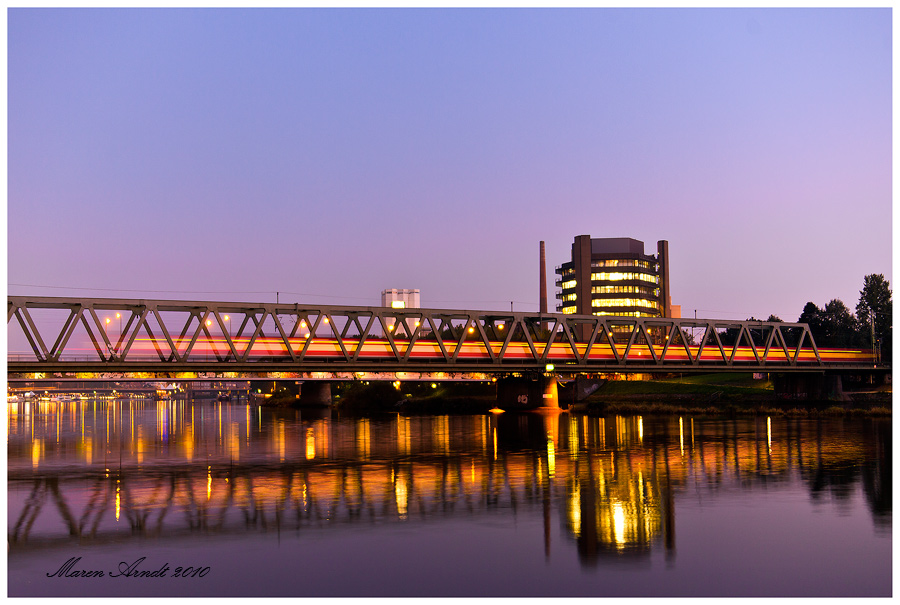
x=249 y=501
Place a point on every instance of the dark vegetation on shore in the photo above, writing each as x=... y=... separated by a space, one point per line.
x=701 y=395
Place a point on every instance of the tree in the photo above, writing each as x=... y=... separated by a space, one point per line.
x=833 y=326
x=875 y=302
x=839 y=324
x=812 y=316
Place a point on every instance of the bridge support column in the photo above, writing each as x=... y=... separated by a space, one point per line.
x=811 y=387
x=315 y=393
x=549 y=393
x=528 y=393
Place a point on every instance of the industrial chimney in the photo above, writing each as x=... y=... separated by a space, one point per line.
x=543 y=280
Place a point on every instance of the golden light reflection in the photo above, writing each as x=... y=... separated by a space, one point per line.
x=403 y=436
x=234 y=441
x=36 y=447
x=440 y=430
x=401 y=495
x=363 y=438
x=618 y=515
x=189 y=442
x=140 y=444
x=615 y=496
x=279 y=438
x=310 y=443
x=118 y=498
x=551 y=458
x=574 y=445
x=573 y=509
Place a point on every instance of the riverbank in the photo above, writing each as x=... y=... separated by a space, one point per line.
x=705 y=395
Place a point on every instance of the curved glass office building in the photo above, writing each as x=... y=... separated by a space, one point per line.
x=613 y=276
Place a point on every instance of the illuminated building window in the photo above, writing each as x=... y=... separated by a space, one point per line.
x=613 y=276
x=607 y=276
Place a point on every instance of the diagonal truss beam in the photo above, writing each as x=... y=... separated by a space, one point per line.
x=440 y=337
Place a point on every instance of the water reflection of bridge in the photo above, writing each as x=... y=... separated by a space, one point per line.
x=168 y=471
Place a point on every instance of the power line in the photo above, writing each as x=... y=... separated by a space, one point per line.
x=158 y=291
x=304 y=294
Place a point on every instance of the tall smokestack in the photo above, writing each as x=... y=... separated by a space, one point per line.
x=543 y=280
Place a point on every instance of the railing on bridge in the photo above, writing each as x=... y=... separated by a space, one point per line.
x=147 y=335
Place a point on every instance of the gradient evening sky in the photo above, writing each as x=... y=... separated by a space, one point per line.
x=330 y=154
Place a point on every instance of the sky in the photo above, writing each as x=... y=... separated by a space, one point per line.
x=328 y=154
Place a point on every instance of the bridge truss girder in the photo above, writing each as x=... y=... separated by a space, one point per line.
x=292 y=337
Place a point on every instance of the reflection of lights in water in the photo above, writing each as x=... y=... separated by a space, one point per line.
x=322 y=430
x=279 y=439
x=403 y=436
x=573 y=437
x=310 y=443
x=36 y=452
x=118 y=498
x=495 y=442
x=441 y=433
x=88 y=450
x=234 y=441
x=574 y=509
x=140 y=444
x=618 y=514
x=681 y=433
x=400 y=493
x=189 y=443
x=640 y=421
x=769 y=432
x=363 y=443
x=208 y=482
x=551 y=458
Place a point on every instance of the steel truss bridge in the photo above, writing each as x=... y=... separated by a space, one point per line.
x=99 y=337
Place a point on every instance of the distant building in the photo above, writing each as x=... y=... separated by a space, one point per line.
x=613 y=276
x=401 y=299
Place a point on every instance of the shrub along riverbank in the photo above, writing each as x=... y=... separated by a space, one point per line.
x=712 y=394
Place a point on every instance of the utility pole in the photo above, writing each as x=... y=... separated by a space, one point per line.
x=874 y=352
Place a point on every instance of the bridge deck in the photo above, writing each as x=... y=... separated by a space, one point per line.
x=120 y=335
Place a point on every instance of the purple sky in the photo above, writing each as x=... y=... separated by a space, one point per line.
x=330 y=154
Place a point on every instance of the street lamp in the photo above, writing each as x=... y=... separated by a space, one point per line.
x=107 y=336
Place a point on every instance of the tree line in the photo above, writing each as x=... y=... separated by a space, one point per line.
x=836 y=326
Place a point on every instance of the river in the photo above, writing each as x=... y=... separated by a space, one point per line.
x=135 y=497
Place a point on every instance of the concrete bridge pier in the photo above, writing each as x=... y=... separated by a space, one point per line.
x=528 y=393
x=549 y=392
x=315 y=393
x=810 y=386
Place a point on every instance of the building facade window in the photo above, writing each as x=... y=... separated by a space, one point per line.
x=613 y=276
